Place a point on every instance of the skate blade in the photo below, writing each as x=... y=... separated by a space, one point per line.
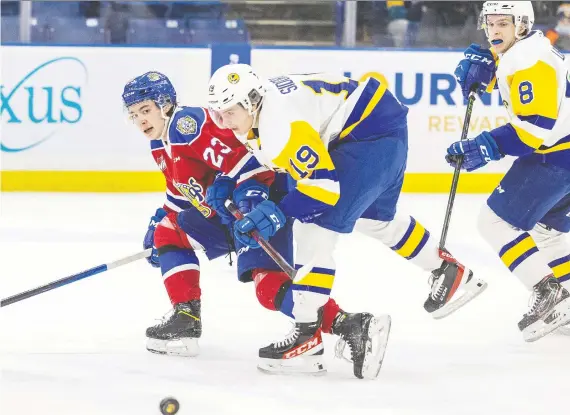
x=539 y=329
x=303 y=365
x=185 y=347
x=470 y=290
x=378 y=334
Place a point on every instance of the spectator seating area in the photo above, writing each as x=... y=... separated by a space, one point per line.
x=421 y=24
x=157 y=23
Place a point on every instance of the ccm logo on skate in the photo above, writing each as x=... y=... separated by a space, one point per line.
x=305 y=347
x=446 y=256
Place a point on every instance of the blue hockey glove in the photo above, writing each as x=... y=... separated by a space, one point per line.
x=249 y=194
x=218 y=193
x=476 y=70
x=476 y=152
x=266 y=218
x=148 y=241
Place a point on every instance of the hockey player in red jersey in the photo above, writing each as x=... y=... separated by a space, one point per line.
x=191 y=151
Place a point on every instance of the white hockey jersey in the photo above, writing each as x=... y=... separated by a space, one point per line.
x=303 y=115
x=532 y=77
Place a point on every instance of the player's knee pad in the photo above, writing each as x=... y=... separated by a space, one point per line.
x=545 y=236
x=555 y=246
x=271 y=287
x=315 y=244
x=405 y=236
x=168 y=236
x=489 y=225
x=497 y=232
x=389 y=233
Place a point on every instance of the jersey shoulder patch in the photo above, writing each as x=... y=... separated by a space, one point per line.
x=186 y=125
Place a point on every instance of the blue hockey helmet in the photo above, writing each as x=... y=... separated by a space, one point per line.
x=152 y=86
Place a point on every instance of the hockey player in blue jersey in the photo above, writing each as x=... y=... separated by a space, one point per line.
x=527 y=218
x=344 y=143
x=191 y=150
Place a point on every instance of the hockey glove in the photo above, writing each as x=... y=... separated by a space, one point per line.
x=148 y=241
x=249 y=194
x=266 y=219
x=218 y=193
x=476 y=152
x=476 y=71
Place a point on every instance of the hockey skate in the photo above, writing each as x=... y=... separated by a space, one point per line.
x=301 y=352
x=452 y=286
x=177 y=335
x=550 y=310
x=367 y=339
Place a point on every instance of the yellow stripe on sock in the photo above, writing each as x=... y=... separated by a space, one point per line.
x=317 y=280
x=517 y=251
x=561 y=270
x=413 y=241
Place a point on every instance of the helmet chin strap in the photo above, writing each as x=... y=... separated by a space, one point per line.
x=518 y=35
x=166 y=120
x=255 y=114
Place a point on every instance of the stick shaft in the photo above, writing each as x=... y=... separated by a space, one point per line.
x=73 y=278
x=455 y=181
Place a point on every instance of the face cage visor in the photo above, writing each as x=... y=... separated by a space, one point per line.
x=161 y=102
x=254 y=97
x=482 y=23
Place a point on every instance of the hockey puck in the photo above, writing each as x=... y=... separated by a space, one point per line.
x=169 y=406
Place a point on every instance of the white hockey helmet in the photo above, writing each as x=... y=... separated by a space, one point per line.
x=235 y=84
x=522 y=12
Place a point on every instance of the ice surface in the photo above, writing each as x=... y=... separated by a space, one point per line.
x=80 y=349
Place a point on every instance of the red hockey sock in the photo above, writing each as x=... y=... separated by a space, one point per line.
x=330 y=310
x=183 y=286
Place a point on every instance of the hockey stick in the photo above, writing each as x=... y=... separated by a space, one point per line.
x=455 y=181
x=267 y=247
x=76 y=277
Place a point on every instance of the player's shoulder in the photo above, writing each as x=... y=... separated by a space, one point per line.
x=527 y=52
x=276 y=121
x=186 y=124
x=156 y=145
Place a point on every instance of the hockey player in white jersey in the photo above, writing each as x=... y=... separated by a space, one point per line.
x=344 y=143
x=527 y=218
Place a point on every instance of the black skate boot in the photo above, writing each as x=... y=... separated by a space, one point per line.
x=366 y=337
x=550 y=309
x=177 y=336
x=445 y=281
x=301 y=352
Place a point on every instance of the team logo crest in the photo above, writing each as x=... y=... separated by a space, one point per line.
x=233 y=78
x=186 y=125
x=195 y=194
x=153 y=76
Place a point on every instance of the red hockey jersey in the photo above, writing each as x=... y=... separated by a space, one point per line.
x=191 y=155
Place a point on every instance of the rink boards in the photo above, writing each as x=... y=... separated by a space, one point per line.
x=64 y=127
